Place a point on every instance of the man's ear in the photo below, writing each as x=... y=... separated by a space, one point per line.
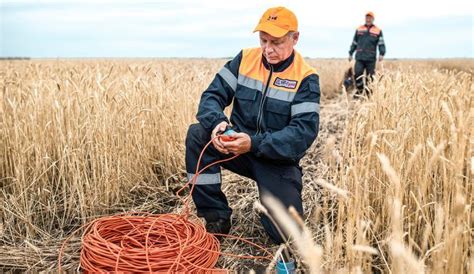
x=296 y=36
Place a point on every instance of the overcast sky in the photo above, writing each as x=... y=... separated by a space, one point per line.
x=218 y=28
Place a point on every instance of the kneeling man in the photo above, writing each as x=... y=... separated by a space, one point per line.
x=275 y=113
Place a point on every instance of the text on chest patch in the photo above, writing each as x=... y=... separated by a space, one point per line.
x=285 y=83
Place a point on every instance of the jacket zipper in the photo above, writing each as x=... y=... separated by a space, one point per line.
x=262 y=102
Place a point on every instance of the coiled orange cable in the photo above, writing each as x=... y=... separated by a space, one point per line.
x=142 y=242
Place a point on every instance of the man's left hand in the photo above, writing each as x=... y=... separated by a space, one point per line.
x=380 y=58
x=240 y=145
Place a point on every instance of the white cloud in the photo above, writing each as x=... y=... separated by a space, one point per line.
x=181 y=21
x=314 y=13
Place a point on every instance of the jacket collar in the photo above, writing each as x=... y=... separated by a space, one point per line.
x=281 y=66
x=369 y=27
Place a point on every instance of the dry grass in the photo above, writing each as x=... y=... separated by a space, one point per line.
x=388 y=185
x=406 y=157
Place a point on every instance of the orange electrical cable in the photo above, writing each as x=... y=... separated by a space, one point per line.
x=143 y=242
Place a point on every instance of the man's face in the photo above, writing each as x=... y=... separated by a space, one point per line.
x=369 y=20
x=276 y=49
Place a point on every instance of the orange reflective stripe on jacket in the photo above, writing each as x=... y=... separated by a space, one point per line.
x=373 y=29
x=282 y=85
x=362 y=28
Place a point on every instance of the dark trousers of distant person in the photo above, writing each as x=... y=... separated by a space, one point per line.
x=283 y=181
x=360 y=67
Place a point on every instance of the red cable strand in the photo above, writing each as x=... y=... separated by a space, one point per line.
x=143 y=242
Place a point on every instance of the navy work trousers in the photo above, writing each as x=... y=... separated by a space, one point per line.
x=283 y=181
x=360 y=67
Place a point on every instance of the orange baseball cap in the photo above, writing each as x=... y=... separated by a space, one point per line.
x=277 y=22
x=370 y=14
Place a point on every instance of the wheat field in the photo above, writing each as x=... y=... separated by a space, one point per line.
x=388 y=185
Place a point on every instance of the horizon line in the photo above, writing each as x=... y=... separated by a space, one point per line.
x=195 y=57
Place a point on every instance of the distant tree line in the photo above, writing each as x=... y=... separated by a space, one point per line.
x=15 y=58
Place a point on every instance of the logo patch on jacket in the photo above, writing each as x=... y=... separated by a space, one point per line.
x=285 y=83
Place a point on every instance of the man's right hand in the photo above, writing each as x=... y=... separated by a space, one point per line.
x=350 y=58
x=216 y=141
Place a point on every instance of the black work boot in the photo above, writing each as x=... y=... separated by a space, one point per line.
x=359 y=94
x=220 y=226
